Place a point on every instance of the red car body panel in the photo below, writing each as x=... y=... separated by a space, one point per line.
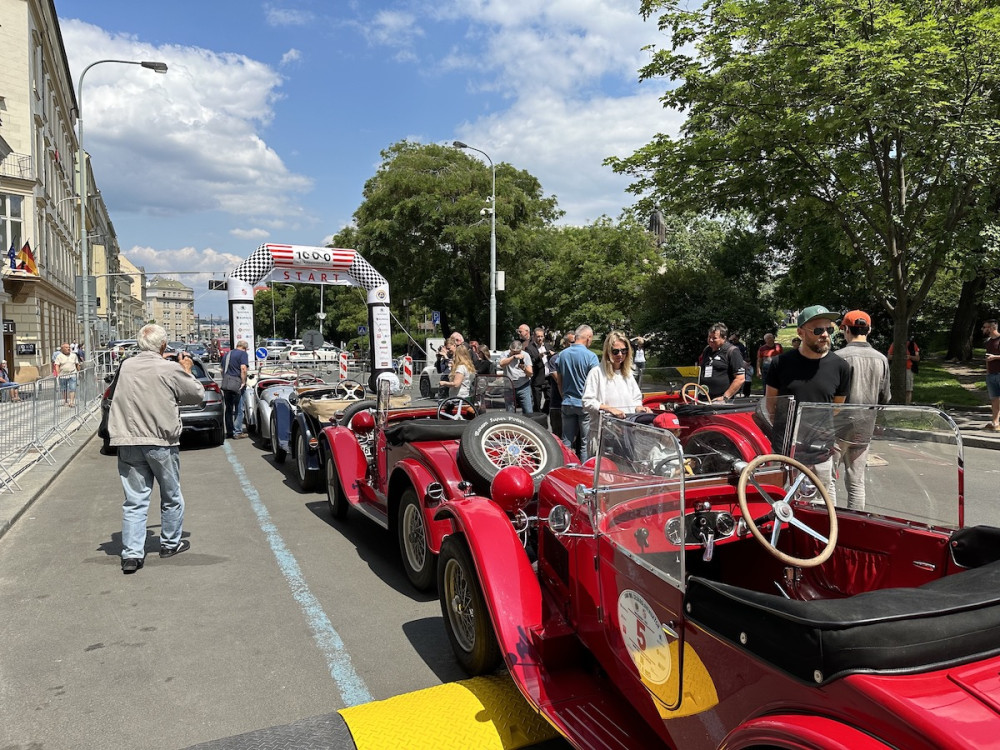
x=562 y=638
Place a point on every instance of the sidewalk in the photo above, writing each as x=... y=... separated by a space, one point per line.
x=36 y=480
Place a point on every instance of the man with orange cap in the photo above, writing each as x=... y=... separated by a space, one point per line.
x=869 y=385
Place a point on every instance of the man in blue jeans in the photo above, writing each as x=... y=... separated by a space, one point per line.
x=145 y=426
x=236 y=364
x=571 y=376
x=516 y=365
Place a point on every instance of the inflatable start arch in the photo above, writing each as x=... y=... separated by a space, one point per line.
x=312 y=265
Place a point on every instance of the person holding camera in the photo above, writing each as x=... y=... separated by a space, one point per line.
x=516 y=365
x=144 y=423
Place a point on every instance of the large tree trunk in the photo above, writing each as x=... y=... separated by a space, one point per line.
x=897 y=367
x=963 y=326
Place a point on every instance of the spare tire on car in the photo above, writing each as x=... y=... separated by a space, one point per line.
x=493 y=441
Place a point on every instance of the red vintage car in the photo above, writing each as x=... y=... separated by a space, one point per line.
x=396 y=461
x=747 y=608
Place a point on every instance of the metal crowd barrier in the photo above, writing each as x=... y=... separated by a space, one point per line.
x=37 y=417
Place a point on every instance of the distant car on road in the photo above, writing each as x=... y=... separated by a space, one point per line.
x=301 y=353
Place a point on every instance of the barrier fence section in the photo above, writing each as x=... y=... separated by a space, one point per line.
x=36 y=417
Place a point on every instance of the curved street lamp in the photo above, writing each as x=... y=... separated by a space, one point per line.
x=159 y=67
x=493 y=245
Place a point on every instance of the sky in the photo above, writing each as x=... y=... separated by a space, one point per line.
x=273 y=114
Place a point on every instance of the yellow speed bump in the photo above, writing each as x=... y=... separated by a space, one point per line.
x=487 y=713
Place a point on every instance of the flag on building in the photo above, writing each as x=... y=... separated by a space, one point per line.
x=27 y=260
x=12 y=254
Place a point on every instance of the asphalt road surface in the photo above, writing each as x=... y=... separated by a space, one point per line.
x=276 y=614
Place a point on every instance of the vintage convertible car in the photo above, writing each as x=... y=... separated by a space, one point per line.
x=298 y=416
x=397 y=463
x=743 y=609
x=263 y=387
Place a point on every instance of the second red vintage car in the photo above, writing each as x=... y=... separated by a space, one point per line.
x=396 y=461
x=746 y=608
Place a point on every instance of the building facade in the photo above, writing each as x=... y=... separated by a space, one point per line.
x=171 y=304
x=39 y=181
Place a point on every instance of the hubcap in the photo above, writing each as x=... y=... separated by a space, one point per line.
x=461 y=613
x=510 y=445
x=413 y=537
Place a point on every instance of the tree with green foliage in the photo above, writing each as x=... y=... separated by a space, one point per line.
x=711 y=272
x=422 y=225
x=594 y=274
x=880 y=116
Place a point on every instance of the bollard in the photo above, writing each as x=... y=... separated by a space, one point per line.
x=407 y=371
x=343 y=365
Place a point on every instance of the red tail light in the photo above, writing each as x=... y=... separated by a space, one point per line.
x=213 y=386
x=107 y=392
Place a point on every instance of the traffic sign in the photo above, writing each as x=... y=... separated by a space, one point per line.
x=362 y=330
x=217 y=285
x=435 y=317
x=261 y=353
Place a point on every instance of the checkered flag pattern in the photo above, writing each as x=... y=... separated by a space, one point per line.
x=261 y=261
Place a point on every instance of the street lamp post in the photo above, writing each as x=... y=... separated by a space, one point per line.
x=159 y=67
x=493 y=245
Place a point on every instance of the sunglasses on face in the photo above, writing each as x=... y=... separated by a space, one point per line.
x=623 y=352
x=820 y=331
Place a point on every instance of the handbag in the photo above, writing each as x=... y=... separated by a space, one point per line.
x=102 y=429
x=233 y=383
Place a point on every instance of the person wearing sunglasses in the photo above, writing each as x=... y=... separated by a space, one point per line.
x=611 y=386
x=810 y=375
x=722 y=366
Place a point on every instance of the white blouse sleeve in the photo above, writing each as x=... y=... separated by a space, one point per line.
x=593 y=391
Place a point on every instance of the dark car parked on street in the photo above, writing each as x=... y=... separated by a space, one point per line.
x=208 y=417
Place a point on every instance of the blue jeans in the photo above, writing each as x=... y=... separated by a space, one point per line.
x=234 y=412
x=138 y=465
x=575 y=422
x=523 y=396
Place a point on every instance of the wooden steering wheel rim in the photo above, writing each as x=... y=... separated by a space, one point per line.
x=741 y=494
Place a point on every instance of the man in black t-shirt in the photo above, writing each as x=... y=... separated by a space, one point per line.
x=810 y=375
x=721 y=365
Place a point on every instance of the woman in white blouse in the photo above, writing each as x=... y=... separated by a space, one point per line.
x=611 y=386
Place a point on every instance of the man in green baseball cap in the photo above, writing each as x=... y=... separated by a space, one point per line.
x=810 y=376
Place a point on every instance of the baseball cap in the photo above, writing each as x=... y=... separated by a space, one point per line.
x=856 y=318
x=812 y=312
x=667 y=421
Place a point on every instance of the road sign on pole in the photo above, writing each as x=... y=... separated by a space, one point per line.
x=435 y=317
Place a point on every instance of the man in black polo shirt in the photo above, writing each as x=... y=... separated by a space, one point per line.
x=811 y=375
x=721 y=365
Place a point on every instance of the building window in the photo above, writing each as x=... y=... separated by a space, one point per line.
x=11 y=216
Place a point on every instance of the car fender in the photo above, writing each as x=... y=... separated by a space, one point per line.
x=302 y=425
x=348 y=459
x=509 y=584
x=410 y=472
x=749 y=449
x=798 y=732
x=282 y=412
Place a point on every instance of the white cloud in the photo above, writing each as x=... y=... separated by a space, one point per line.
x=182 y=260
x=568 y=74
x=287 y=16
x=186 y=141
x=250 y=234
x=566 y=140
x=293 y=55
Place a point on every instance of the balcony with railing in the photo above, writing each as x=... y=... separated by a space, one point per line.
x=17 y=165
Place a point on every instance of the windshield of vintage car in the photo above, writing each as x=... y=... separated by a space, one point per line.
x=909 y=458
x=637 y=489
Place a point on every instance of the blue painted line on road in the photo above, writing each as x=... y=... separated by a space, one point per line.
x=352 y=688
